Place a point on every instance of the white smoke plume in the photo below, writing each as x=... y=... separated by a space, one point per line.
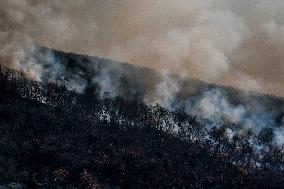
x=214 y=104
x=165 y=91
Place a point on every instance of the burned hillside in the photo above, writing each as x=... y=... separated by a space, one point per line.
x=54 y=137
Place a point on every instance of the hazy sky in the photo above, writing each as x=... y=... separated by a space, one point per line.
x=232 y=42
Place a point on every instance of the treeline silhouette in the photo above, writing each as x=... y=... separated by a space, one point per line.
x=54 y=138
x=135 y=83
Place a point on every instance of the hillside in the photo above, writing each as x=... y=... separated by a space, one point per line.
x=56 y=136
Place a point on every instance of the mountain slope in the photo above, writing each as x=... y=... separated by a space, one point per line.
x=89 y=123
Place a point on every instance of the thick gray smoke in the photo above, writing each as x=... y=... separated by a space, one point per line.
x=238 y=43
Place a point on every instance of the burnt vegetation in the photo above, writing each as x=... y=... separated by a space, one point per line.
x=52 y=137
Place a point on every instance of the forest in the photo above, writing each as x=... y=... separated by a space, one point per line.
x=52 y=137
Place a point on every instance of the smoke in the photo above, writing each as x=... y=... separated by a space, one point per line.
x=215 y=104
x=279 y=136
x=109 y=79
x=165 y=91
x=217 y=108
x=237 y=43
